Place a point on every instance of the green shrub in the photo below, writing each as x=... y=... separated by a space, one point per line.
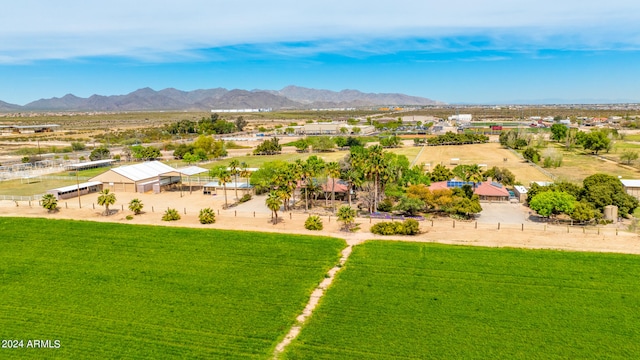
x=171 y=215
x=385 y=205
x=245 y=198
x=411 y=227
x=313 y=223
x=207 y=216
x=129 y=217
x=407 y=227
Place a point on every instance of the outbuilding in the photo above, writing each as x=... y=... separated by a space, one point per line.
x=138 y=178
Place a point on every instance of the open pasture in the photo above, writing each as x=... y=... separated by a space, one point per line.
x=490 y=154
x=408 y=300
x=122 y=291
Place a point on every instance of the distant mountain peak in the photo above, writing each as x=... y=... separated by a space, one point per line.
x=148 y=99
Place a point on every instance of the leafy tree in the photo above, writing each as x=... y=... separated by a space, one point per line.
x=550 y=203
x=313 y=222
x=207 y=216
x=583 y=211
x=441 y=173
x=628 y=156
x=190 y=158
x=171 y=215
x=347 y=216
x=323 y=144
x=136 y=206
x=49 y=202
x=240 y=123
x=183 y=149
x=410 y=205
x=595 y=141
x=218 y=149
x=145 y=153
x=99 y=153
x=340 y=141
x=602 y=190
x=273 y=202
x=559 y=132
x=501 y=175
x=531 y=154
x=268 y=147
x=464 y=206
x=205 y=143
x=105 y=199
x=302 y=145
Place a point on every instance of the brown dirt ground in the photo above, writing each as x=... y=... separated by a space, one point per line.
x=530 y=235
x=490 y=154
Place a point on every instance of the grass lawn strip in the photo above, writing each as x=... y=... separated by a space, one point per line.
x=407 y=300
x=142 y=291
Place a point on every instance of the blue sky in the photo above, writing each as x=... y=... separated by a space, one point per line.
x=458 y=51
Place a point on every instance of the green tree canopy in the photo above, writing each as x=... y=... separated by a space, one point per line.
x=550 y=203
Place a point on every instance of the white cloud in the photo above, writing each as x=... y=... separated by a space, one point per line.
x=39 y=29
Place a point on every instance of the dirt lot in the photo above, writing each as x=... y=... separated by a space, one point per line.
x=509 y=233
x=490 y=154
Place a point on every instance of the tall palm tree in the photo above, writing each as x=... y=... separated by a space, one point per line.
x=234 y=165
x=105 y=199
x=333 y=171
x=374 y=167
x=224 y=176
x=353 y=177
x=273 y=202
x=244 y=172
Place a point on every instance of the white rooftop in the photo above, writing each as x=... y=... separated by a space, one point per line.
x=630 y=183
x=191 y=170
x=75 y=187
x=143 y=170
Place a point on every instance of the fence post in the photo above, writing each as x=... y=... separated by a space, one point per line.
x=185 y=211
x=235 y=212
x=567 y=229
x=476 y=225
x=329 y=218
x=369 y=219
x=498 y=226
x=616 y=231
x=94 y=205
x=545 y=227
x=522 y=227
x=431 y=223
x=454 y=224
x=152 y=209
x=290 y=216
x=598 y=231
x=29 y=203
x=254 y=214
x=122 y=207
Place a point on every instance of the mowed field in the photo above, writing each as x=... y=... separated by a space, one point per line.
x=490 y=154
x=429 y=301
x=107 y=290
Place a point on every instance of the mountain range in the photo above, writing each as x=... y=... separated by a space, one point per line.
x=290 y=97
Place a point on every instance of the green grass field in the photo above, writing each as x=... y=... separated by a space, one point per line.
x=122 y=291
x=417 y=301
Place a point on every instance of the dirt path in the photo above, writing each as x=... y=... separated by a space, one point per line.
x=316 y=295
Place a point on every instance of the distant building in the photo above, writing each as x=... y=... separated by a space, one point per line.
x=461 y=118
x=631 y=187
x=332 y=128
